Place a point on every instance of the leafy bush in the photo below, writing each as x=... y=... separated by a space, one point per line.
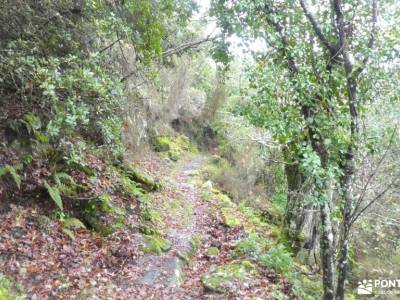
x=279 y=259
x=252 y=246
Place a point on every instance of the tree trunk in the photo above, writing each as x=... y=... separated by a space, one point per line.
x=327 y=253
x=301 y=222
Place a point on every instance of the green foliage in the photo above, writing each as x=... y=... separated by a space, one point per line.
x=9 y=290
x=140 y=177
x=225 y=275
x=195 y=242
x=61 y=70
x=130 y=187
x=4 y=287
x=213 y=251
x=103 y=216
x=70 y=224
x=175 y=147
x=279 y=259
x=12 y=170
x=64 y=184
x=155 y=244
x=54 y=194
x=150 y=218
x=252 y=246
x=229 y=217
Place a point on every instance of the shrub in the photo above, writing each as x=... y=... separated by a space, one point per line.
x=279 y=259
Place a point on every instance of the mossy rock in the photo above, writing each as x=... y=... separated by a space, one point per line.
x=155 y=244
x=161 y=143
x=146 y=181
x=229 y=217
x=102 y=216
x=174 y=147
x=184 y=144
x=213 y=251
x=222 y=277
x=174 y=155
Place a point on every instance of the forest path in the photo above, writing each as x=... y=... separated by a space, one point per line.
x=197 y=219
x=182 y=213
x=193 y=217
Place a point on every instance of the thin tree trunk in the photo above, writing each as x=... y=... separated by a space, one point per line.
x=327 y=253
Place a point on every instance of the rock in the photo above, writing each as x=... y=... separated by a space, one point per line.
x=223 y=278
x=102 y=216
x=149 y=277
x=213 y=252
x=146 y=181
x=161 y=144
x=174 y=268
x=228 y=215
x=155 y=244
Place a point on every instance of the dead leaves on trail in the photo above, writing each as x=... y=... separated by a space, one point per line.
x=35 y=252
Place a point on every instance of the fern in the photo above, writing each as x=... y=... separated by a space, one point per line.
x=73 y=223
x=69 y=232
x=13 y=172
x=64 y=183
x=54 y=193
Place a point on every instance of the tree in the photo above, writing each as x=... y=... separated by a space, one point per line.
x=311 y=93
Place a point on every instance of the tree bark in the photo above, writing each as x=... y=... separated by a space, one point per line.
x=327 y=253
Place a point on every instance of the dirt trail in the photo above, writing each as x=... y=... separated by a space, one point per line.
x=50 y=265
x=184 y=219
x=194 y=225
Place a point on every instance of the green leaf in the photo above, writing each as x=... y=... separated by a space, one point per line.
x=70 y=233
x=13 y=172
x=54 y=194
x=73 y=223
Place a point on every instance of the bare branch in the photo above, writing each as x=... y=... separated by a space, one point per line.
x=376 y=198
x=110 y=45
x=186 y=46
x=359 y=201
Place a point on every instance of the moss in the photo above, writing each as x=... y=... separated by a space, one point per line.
x=174 y=147
x=146 y=181
x=161 y=143
x=182 y=142
x=9 y=290
x=229 y=217
x=102 y=216
x=223 y=199
x=174 y=155
x=253 y=216
x=217 y=280
x=4 y=294
x=280 y=235
x=155 y=244
x=213 y=251
x=130 y=188
x=251 y=246
x=216 y=169
x=205 y=196
x=195 y=242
